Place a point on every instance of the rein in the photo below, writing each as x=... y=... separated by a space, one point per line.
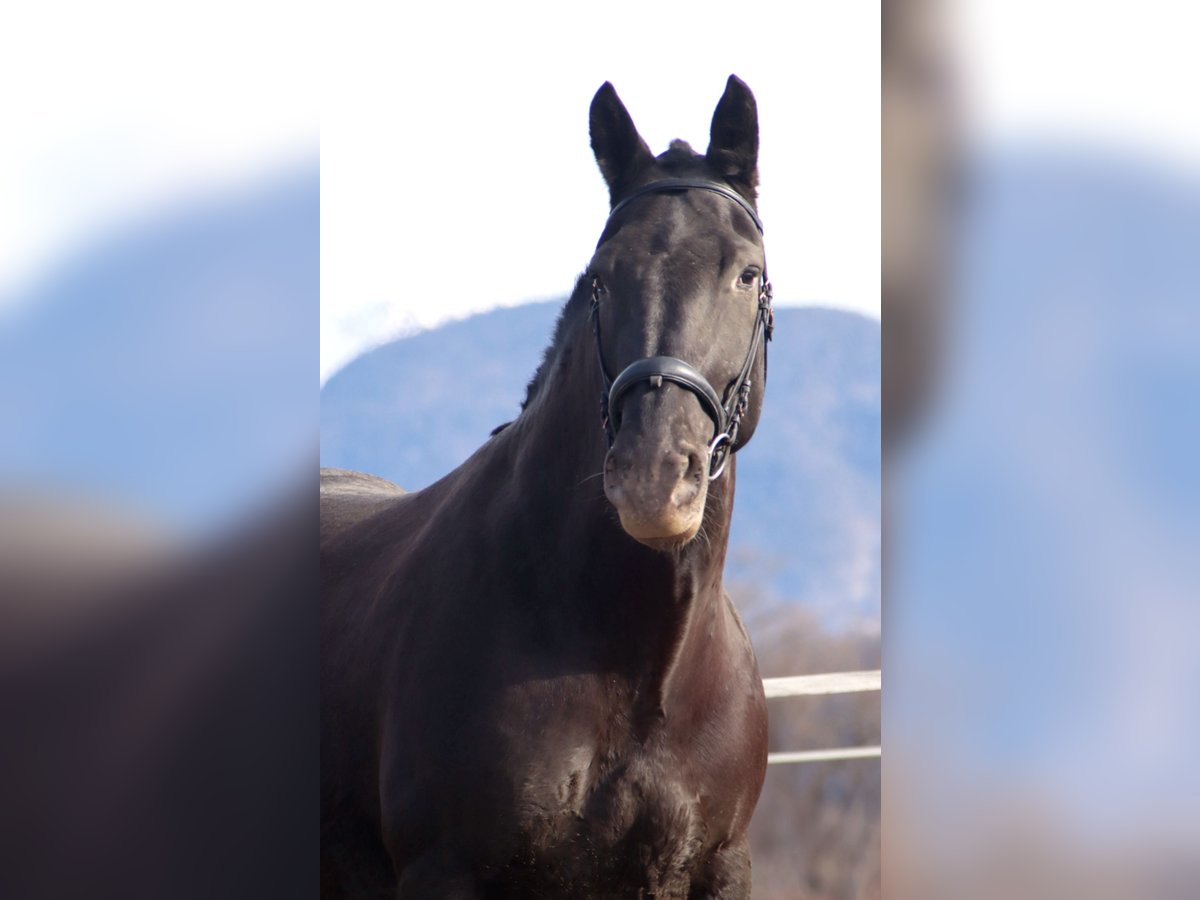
x=726 y=413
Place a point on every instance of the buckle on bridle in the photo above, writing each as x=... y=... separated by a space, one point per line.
x=765 y=295
x=722 y=439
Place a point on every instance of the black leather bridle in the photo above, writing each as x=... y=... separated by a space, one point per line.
x=726 y=413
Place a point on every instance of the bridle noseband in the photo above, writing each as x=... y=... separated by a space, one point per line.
x=727 y=413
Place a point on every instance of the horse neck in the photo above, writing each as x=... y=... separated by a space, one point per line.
x=653 y=606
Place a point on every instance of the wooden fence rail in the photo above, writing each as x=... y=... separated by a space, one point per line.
x=816 y=685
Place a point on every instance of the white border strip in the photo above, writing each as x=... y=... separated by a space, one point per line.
x=775 y=759
x=832 y=683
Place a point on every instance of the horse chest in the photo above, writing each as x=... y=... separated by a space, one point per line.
x=631 y=823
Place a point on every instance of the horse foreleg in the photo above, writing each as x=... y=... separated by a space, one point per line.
x=726 y=876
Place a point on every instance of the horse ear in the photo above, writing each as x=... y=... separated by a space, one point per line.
x=733 y=139
x=619 y=148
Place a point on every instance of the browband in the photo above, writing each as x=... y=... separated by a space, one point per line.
x=685 y=184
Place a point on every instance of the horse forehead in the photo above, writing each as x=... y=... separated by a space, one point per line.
x=675 y=245
x=697 y=217
x=678 y=220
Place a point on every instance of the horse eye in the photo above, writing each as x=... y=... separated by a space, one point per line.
x=746 y=279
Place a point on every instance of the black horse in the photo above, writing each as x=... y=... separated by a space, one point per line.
x=533 y=682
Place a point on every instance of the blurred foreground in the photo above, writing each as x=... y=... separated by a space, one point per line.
x=158 y=566
x=1043 y=519
x=1044 y=507
x=1043 y=611
x=160 y=707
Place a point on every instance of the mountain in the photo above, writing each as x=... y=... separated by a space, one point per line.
x=169 y=366
x=806 y=520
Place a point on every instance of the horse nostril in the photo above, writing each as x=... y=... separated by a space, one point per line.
x=616 y=465
x=695 y=466
x=676 y=466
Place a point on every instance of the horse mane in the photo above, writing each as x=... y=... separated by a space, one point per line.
x=550 y=353
x=557 y=340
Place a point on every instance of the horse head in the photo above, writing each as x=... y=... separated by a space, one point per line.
x=681 y=312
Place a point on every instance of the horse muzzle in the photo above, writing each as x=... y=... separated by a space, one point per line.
x=656 y=472
x=655 y=370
